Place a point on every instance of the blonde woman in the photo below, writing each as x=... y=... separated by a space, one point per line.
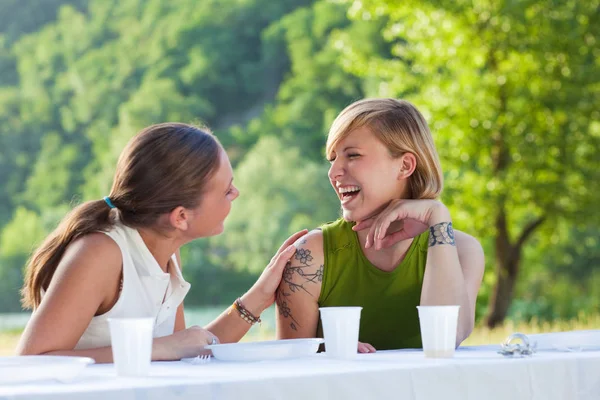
x=394 y=247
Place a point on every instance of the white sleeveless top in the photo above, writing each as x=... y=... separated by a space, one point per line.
x=145 y=286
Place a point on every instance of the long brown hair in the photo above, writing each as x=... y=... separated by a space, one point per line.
x=164 y=166
x=402 y=129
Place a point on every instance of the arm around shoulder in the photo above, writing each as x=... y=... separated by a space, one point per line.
x=298 y=294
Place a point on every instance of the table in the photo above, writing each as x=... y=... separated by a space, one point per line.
x=474 y=373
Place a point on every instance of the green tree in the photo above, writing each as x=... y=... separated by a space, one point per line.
x=79 y=78
x=318 y=86
x=562 y=274
x=20 y=17
x=280 y=192
x=511 y=93
x=16 y=243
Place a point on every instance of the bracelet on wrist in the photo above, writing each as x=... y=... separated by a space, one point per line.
x=244 y=313
x=442 y=233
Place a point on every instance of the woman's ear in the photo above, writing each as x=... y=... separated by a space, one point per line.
x=179 y=218
x=408 y=163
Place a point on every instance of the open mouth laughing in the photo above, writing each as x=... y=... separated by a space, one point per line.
x=348 y=193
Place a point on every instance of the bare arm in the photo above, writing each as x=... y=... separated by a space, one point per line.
x=298 y=293
x=86 y=283
x=83 y=285
x=229 y=326
x=453 y=274
x=472 y=262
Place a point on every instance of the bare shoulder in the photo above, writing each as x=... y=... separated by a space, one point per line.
x=469 y=249
x=304 y=273
x=96 y=242
x=309 y=248
x=93 y=256
x=86 y=278
x=466 y=242
x=298 y=293
x=95 y=245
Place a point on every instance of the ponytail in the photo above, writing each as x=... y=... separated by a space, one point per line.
x=88 y=217
x=163 y=167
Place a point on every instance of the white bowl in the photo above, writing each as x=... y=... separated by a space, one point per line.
x=265 y=350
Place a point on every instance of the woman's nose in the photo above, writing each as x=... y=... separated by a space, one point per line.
x=335 y=170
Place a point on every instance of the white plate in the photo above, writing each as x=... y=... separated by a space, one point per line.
x=573 y=341
x=576 y=348
x=38 y=368
x=266 y=350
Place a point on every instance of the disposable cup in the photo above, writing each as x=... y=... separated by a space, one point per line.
x=340 y=328
x=131 y=340
x=438 y=330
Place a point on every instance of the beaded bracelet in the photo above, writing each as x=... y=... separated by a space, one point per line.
x=244 y=313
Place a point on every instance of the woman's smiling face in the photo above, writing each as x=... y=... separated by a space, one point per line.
x=364 y=175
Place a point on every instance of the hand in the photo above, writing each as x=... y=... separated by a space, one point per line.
x=365 y=348
x=188 y=342
x=262 y=293
x=401 y=220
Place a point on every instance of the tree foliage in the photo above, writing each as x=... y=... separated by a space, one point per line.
x=510 y=89
x=281 y=192
x=511 y=92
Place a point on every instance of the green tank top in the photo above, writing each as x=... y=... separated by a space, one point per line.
x=389 y=318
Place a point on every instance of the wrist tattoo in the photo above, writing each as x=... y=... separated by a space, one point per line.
x=441 y=233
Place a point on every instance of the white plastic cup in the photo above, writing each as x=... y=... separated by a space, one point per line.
x=340 y=328
x=131 y=340
x=438 y=330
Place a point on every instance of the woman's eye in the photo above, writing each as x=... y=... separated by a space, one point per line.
x=353 y=155
x=332 y=159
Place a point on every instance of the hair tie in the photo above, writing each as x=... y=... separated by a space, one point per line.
x=107 y=201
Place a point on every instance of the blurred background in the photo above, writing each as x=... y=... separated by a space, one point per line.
x=510 y=88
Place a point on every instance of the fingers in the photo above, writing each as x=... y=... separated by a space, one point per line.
x=200 y=338
x=365 y=348
x=291 y=240
x=371 y=348
x=282 y=259
x=371 y=235
x=394 y=238
x=381 y=230
x=213 y=338
x=362 y=348
x=362 y=225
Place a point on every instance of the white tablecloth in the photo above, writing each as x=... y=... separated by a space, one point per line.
x=474 y=373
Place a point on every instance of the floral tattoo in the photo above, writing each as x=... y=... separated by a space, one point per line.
x=295 y=277
x=441 y=233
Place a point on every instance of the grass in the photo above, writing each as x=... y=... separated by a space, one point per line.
x=480 y=335
x=8 y=342
x=483 y=335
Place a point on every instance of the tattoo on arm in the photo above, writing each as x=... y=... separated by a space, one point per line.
x=292 y=285
x=441 y=233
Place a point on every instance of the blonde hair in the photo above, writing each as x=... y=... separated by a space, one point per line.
x=402 y=129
